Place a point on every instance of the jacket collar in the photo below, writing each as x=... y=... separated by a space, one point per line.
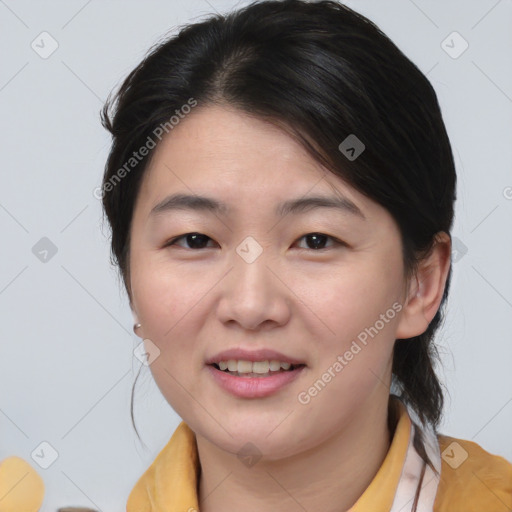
x=170 y=484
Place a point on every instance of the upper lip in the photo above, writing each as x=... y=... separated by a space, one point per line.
x=262 y=354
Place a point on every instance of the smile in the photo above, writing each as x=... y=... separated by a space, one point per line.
x=245 y=382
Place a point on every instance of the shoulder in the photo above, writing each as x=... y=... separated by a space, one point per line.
x=472 y=479
x=170 y=482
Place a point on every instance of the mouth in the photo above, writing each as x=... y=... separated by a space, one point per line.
x=256 y=369
x=258 y=379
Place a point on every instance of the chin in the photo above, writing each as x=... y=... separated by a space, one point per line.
x=237 y=430
x=261 y=438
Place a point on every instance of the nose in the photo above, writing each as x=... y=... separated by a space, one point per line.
x=254 y=293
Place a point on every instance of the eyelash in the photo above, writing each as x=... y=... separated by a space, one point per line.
x=336 y=241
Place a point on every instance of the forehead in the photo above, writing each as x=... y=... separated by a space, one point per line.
x=225 y=138
x=223 y=154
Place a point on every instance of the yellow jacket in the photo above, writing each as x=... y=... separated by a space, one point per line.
x=471 y=479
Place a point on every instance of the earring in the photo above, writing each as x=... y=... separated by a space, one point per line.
x=135 y=327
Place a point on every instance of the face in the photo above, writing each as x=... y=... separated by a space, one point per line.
x=320 y=285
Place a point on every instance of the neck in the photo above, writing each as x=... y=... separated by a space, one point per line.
x=331 y=477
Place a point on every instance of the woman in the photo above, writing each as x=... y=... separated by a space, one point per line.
x=281 y=192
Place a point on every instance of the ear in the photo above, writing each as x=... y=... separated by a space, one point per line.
x=426 y=289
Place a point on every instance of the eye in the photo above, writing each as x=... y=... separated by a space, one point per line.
x=198 y=241
x=317 y=240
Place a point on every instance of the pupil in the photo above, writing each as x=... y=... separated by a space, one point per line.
x=195 y=237
x=317 y=237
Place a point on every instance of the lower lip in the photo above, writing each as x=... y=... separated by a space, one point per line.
x=253 y=387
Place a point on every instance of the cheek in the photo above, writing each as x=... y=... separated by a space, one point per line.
x=163 y=295
x=170 y=301
x=165 y=300
x=351 y=299
x=359 y=311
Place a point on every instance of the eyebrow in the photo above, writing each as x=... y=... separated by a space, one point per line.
x=293 y=206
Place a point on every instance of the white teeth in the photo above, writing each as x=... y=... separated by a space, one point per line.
x=275 y=365
x=244 y=367
x=261 y=367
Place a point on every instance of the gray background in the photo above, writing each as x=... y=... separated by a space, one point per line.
x=66 y=361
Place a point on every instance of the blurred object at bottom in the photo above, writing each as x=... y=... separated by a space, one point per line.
x=76 y=509
x=21 y=488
